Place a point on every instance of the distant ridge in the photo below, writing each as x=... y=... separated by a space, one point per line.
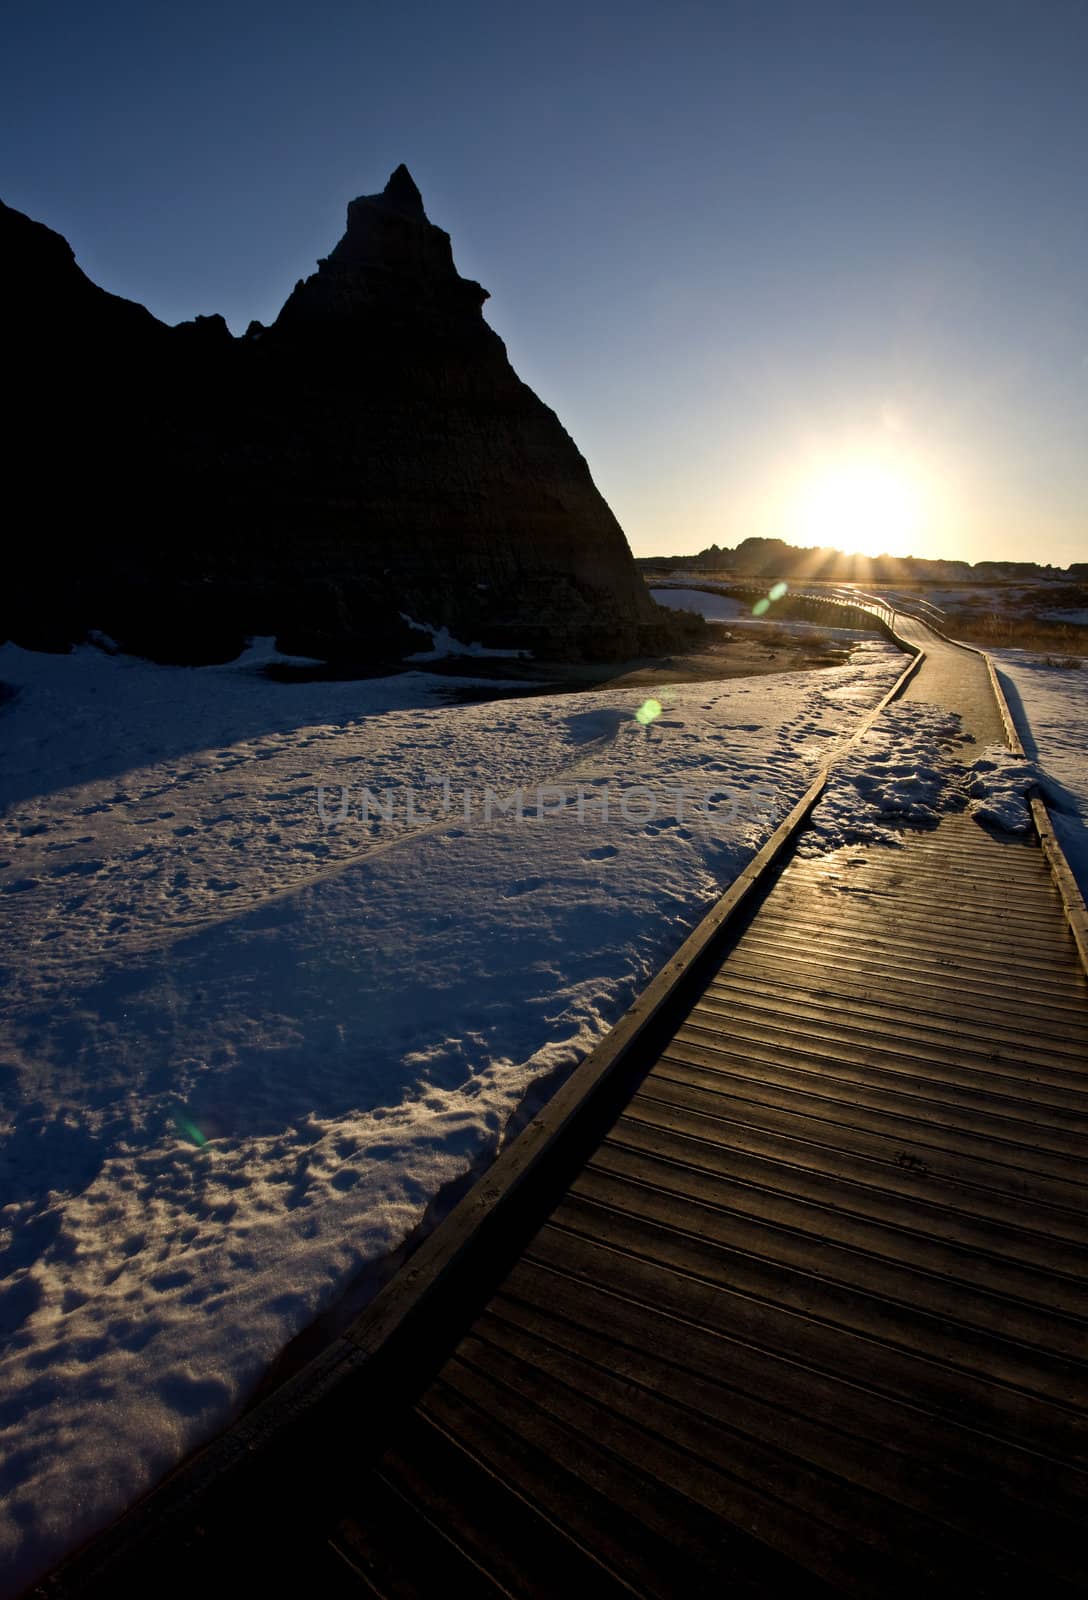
x=774 y=558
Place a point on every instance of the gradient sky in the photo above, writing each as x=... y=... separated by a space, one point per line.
x=748 y=251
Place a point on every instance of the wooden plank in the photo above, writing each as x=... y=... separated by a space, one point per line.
x=687 y=1507
x=978 y=924
x=774 y=1393
x=857 y=1481
x=939 y=1160
x=434 y=1519
x=875 y=1186
x=630 y=1519
x=831 y=1215
x=687 y=1438
x=847 y=1270
x=853 y=924
x=691 y=1280
x=883 y=941
x=1030 y=908
x=854 y=1091
x=950 y=1015
x=910 y=980
x=1004 y=1070
x=396 y=1551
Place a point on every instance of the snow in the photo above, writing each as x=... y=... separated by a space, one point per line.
x=1050 y=708
x=248 y=1049
x=943 y=598
x=259 y=652
x=906 y=769
x=714 y=607
x=998 y=786
x=723 y=608
x=444 y=644
x=994 y=596
x=1079 y=618
x=902 y=770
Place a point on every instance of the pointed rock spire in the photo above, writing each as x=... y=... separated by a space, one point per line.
x=371 y=455
x=400 y=194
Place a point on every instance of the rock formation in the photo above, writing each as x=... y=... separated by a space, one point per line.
x=369 y=458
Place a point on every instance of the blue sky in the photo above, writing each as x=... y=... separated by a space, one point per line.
x=780 y=268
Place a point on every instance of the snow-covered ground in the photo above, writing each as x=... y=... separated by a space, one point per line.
x=724 y=608
x=902 y=770
x=443 y=644
x=714 y=607
x=1077 y=618
x=910 y=768
x=247 y=1043
x=1050 y=707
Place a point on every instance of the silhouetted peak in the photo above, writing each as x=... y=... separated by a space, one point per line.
x=208 y=330
x=400 y=194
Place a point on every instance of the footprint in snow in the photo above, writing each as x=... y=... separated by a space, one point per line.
x=170 y=1280
x=523 y=886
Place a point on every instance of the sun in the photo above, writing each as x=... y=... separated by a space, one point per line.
x=862 y=507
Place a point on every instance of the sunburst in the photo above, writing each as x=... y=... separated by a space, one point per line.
x=862 y=507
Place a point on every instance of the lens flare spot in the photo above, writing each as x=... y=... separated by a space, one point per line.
x=760 y=607
x=777 y=591
x=647 y=711
x=190 y=1131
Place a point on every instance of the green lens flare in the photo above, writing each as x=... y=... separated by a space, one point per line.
x=775 y=592
x=189 y=1130
x=647 y=711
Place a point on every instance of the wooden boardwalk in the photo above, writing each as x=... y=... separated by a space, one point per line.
x=812 y=1316
x=799 y=1308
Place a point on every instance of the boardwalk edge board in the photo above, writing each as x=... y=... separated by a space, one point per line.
x=161 y=1515
x=1076 y=912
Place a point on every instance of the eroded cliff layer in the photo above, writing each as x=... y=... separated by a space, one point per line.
x=370 y=457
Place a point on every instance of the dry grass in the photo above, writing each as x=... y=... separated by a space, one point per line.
x=773 y=636
x=1001 y=630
